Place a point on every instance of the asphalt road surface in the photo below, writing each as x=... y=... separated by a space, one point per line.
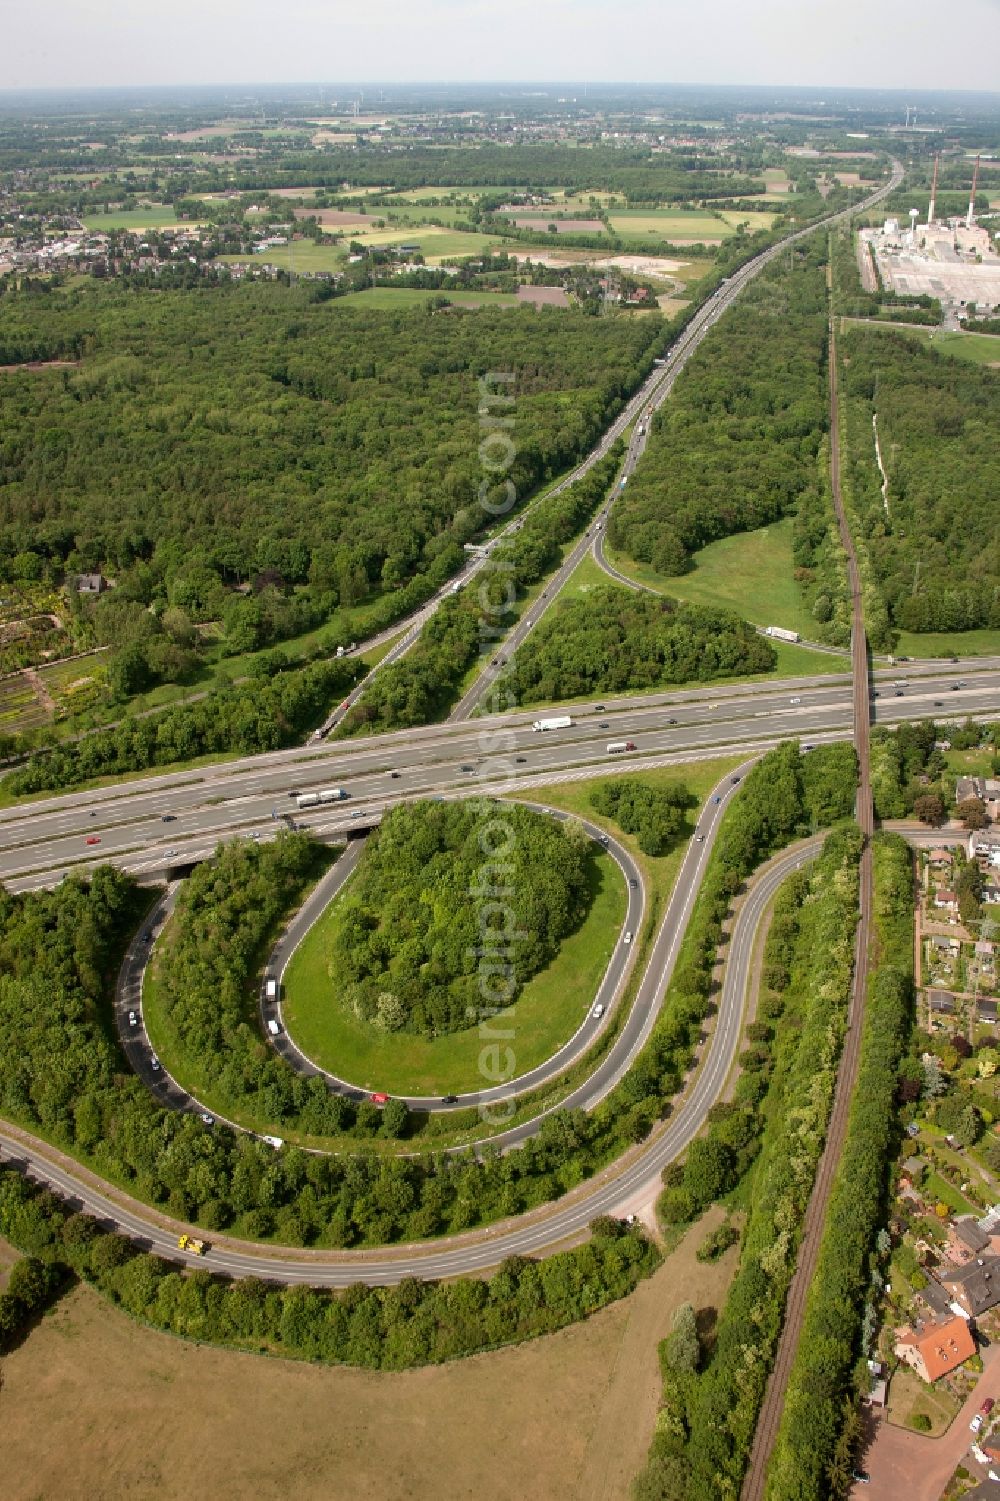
x=158 y=825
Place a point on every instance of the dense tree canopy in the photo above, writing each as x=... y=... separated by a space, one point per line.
x=406 y=949
x=935 y=551
x=213 y=433
x=618 y=639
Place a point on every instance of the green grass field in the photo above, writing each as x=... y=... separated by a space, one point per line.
x=958 y=644
x=981 y=349
x=393 y=297
x=753 y=220
x=750 y=572
x=159 y=216
x=670 y=224
x=549 y=1010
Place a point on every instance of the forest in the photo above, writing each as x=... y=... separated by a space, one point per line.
x=426 y=683
x=204 y=439
x=405 y=954
x=737 y=445
x=934 y=543
x=249 y=718
x=616 y=640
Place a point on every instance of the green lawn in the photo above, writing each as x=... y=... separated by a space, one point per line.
x=549 y=1010
x=754 y=220
x=957 y=644
x=981 y=349
x=750 y=572
x=937 y=1189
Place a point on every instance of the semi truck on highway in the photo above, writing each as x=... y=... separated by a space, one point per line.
x=560 y=722
x=780 y=634
x=327 y=795
x=616 y=747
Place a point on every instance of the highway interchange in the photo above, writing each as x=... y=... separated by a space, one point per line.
x=158 y=826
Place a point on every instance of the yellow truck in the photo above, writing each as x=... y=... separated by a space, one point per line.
x=188 y=1243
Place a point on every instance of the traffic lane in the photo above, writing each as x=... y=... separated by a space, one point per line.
x=562 y=1224
x=588 y=733
x=34 y=825
x=269 y=772
x=224 y=821
x=617 y=970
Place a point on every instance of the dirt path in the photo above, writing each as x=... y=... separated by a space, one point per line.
x=43 y=695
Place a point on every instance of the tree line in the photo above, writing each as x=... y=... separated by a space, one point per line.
x=378 y=1328
x=247 y=718
x=817 y=1444
x=702 y=1447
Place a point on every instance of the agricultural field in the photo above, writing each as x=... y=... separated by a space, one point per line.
x=155 y=216
x=398 y=297
x=21 y=709
x=674 y=225
x=548 y=1011
x=582 y=1404
x=752 y=219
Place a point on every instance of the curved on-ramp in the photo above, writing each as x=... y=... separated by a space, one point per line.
x=474 y=1252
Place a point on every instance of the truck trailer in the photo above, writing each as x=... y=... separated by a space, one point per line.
x=560 y=722
x=780 y=634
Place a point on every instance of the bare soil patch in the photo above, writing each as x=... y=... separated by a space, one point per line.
x=92 y=1405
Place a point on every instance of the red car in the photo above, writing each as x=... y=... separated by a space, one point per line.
x=988 y=1405
x=92 y=839
x=379 y=1099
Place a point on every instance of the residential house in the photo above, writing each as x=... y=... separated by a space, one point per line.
x=945 y=900
x=984 y=955
x=965 y=1241
x=986 y=1011
x=976 y=1288
x=936 y=1348
x=966 y=787
x=984 y=845
x=91 y=583
x=939 y=857
x=941 y=1001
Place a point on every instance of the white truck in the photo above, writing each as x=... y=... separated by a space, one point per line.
x=560 y=722
x=617 y=747
x=780 y=634
x=325 y=795
x=271 y=989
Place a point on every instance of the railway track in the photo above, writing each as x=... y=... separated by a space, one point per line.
x=769 y=1420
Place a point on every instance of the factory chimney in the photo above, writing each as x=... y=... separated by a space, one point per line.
x=930 y=211
x=970 y=217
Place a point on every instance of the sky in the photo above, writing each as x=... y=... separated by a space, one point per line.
x=916 y=44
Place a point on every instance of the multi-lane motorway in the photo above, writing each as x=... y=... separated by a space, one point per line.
x=161 y=823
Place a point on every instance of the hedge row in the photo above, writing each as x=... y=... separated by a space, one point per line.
x=809 y=1463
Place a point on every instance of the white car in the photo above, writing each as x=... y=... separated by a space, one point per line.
x=628 y=936
x=133 y=1019
x=155 y=1063
x=977 y=1423
x=274 y=1141
x=598 y=1011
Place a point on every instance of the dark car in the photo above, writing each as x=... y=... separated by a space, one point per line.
x=671 y=721
x=605 y=724
x=599 y=709
x=168 y=818
x=449 y=1099
x=633 y=882
x=520 y=760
